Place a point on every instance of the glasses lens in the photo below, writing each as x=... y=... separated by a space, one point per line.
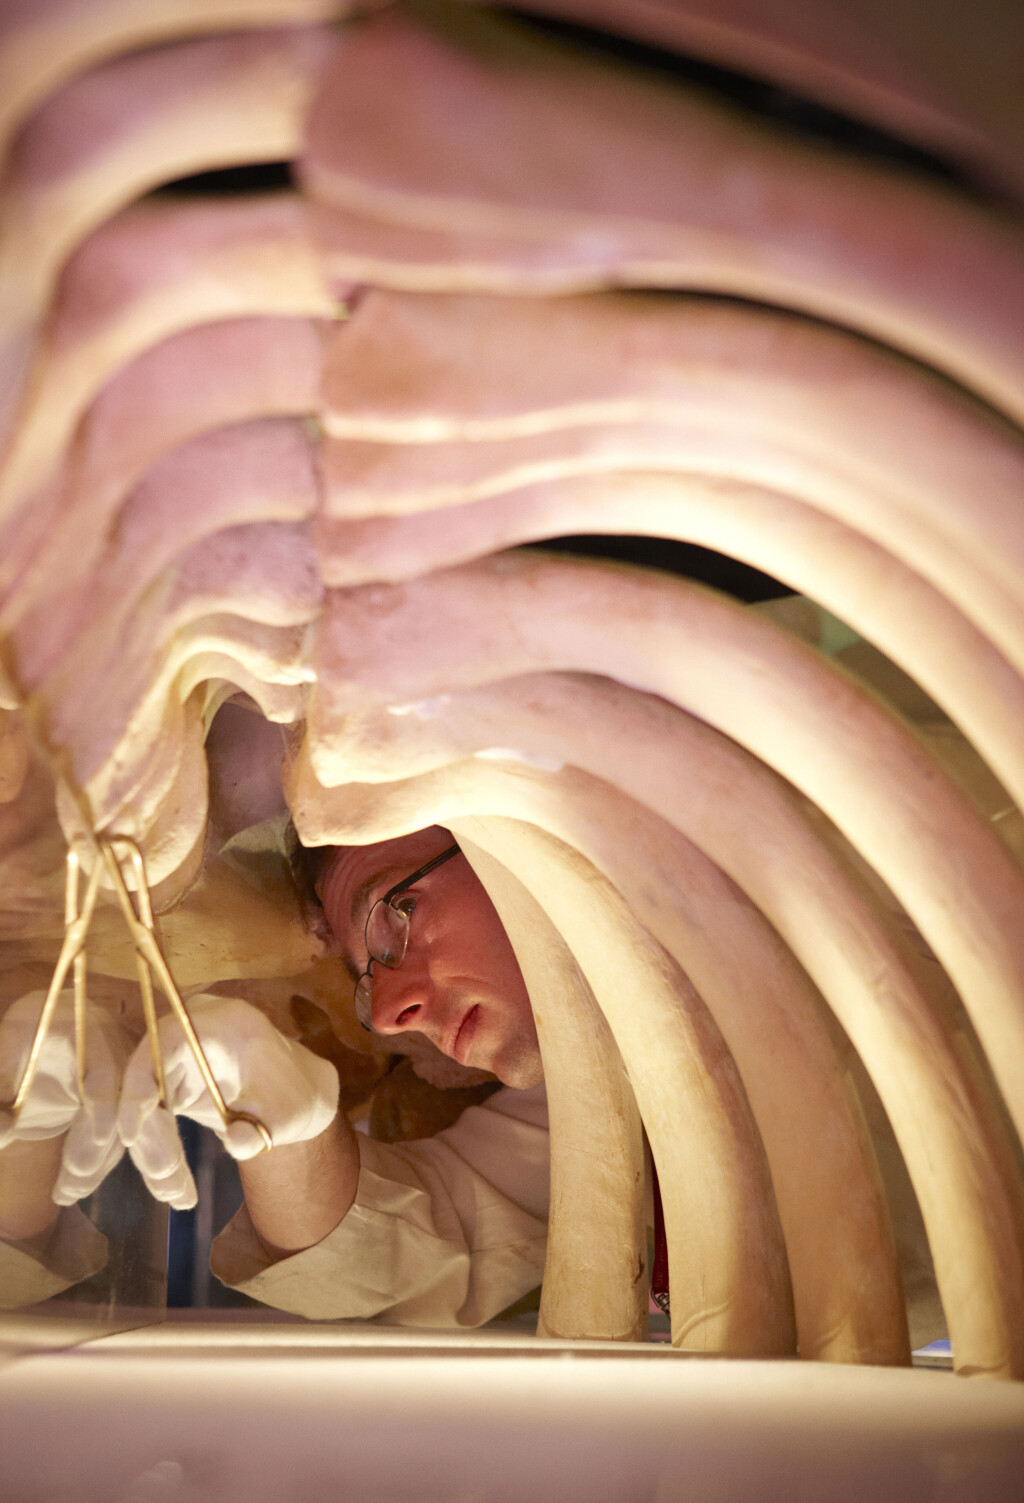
x=387 y=933
x=364 y=1001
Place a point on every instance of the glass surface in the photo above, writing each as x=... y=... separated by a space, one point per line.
x=104 y=1270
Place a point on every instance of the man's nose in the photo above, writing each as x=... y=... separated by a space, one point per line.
x=401 y=1000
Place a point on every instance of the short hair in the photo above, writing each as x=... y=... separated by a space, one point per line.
x=306 y=864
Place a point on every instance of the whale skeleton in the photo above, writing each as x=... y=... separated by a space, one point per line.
x=280 y=448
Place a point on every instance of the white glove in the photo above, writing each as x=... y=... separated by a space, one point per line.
x=54 y=1105
x=292 y=1092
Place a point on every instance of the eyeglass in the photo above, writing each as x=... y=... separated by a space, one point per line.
x=387 y=933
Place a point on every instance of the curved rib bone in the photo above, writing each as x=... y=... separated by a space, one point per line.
x=843 y=56
x=155 y=269
x=858 y=581
x=509 y=616
x=252 y=368
x=895 y=1017
x=43 y=43
x=731 y=1288
x=584 y=173
x=525 y=391
x=594 y=1285
x=128 y=126
x=258 y=474
x=845 y=1284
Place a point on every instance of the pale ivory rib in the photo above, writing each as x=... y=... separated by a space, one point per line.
x=247 y=368
x=152 y=271
x=984 y=594
x=846 y=1289
x=750 y=824
x=731 y=1283
x=861 y=583
x=595 y=1272
x=125 y=127
x=507 y=616
x=585 y=174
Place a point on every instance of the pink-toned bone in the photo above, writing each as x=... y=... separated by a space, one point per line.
x=127 y=766
x=172 y=833
x=431 y=372
x=525 y=392
x=153 y=786
x=509 y=615
x=144 y=775
x=405 y=478
x=851 y=576
x=32 y=871
x=143 y=779
x=597 y=1240
x=167 y=811
x=140 y=785
x=94 y=720
x=607 y=178
x=251 y=473
x=718 y=795
x=262 y=573
x=263 y=367
x=156 y=269
x=841 y=1255
x=916 y=71
x=128 y=126
x=43 y=43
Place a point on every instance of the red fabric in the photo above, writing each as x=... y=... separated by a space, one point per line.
x=659 y=1269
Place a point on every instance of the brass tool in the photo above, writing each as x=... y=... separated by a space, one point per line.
x=149 y=959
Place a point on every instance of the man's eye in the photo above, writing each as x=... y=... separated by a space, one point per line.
x=406 y=905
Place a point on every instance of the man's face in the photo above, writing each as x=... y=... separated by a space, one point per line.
x=460 y=984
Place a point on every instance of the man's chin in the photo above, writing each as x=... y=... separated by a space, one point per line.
x=521 y=1073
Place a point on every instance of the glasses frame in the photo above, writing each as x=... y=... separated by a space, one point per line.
x=366 y=990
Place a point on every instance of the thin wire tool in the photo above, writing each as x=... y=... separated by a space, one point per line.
x=113 y=853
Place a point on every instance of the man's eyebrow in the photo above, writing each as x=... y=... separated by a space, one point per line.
x=363 y=891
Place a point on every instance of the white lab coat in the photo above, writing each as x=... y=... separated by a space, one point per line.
x=446 y=1231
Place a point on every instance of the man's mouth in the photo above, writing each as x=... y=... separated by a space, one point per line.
x=463 y=1040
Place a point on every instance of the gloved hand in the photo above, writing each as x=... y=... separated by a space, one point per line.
x=54 y=1104
x=292 y=1092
